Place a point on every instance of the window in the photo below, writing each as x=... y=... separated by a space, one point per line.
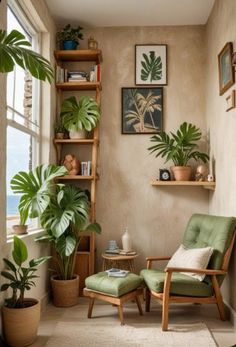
x=23 y=122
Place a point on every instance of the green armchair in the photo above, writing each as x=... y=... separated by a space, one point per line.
x=172 y=286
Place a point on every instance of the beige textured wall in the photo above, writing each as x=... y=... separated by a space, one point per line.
x=156 y=217
x=35 y=250
x=221 y=28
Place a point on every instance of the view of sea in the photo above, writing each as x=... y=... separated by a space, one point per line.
x=12 y=204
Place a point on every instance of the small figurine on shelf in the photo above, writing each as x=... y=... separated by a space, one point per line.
x=201 y=173
x=92 y=43
x=72 y=164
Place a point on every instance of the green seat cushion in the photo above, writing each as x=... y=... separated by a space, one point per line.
x=180 y=283
x=113 y=286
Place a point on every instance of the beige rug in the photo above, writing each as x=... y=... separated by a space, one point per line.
x=104 y=330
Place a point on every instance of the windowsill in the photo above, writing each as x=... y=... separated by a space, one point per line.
x=30 y=233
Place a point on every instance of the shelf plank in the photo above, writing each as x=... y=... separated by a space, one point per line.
x=79 y=86
x=76 y=141
x=79 y=55
x=204 y=184
x=75 y=177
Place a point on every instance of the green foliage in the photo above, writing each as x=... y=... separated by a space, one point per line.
x=82 y=115
x=13 y=51
x=20 y=278
x=179 y=147
x=151 y=67
x=35 y=188
x=59 y=128
x=64 y=220
x=69 y=33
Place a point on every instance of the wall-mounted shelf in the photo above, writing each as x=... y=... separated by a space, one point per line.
x=76 y=177
x=79 y=86
x=72 y=141
x=204 y=184
x=79 y=55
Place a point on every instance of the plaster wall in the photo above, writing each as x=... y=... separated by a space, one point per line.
x=221 y=28
x=156 y=217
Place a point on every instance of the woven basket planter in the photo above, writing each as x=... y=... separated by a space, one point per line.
x=65 y=292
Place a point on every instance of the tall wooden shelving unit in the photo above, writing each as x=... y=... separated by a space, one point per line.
x=85 y=254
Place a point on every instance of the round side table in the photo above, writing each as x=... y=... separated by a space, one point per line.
x=123 y=262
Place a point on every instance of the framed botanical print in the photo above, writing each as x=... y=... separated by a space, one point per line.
x=226 y=70
x=142 y=110
x=150 y=64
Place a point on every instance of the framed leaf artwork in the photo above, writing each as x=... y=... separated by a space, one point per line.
x=142 y=110
x=151 y=64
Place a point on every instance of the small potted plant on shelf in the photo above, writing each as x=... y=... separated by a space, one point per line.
x=20 y=315
x=60 y=131
x=80 y=117
x=179 y=147
x=69 y=37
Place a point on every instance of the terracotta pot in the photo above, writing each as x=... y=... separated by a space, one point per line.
x=20 y=229
x=65 y=292
x=20 y=325
x=80 y=134
x=60 y=136
x=181 y=173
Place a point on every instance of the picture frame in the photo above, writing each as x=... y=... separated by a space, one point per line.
x=230 y=100
x=138 y=119
x=151 y=64
x=226 y=70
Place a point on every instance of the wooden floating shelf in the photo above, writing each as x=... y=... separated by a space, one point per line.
x=75 y=177
x=78 y=141
x=204 y=184
x=79 y=86
x=79 y=55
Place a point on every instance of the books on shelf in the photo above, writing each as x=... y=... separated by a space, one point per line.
x=95 y=73
x=63 y=75
x=114 y=272
x=86 y=168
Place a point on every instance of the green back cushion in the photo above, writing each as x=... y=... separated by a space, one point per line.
x=214 y=231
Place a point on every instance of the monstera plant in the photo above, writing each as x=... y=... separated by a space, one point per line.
x=14 y=50
x=151 y=67
x=79 y=116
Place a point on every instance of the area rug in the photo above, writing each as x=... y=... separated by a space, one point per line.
x=104 y=330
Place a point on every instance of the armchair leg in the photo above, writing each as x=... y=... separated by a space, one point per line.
x=219 y=300
x=165 y=304
x=147 y=300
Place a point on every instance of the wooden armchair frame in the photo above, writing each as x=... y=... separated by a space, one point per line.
x=166 y=297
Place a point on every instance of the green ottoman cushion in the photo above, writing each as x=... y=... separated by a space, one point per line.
x=180 y=283
x=113 y=286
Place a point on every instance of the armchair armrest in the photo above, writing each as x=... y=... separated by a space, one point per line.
x=151 y=259
x=210 y=272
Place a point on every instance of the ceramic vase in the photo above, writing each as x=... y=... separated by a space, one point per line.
x=126 y=241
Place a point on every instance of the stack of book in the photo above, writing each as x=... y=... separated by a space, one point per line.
x=77 y=76
x=113 y=272
x=86 y=168
x=95 y=73
x=122 y=252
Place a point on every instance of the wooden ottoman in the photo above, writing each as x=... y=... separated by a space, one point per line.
x=115 y=290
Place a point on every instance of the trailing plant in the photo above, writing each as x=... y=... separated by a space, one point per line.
x=20 y=277
x=64 y=221
x=151 y=67
x=13 y=50
x=83 y=115
x=35 y=188
x=70 y=34
x=179 y=147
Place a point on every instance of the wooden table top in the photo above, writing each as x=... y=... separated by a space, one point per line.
x=119 y=256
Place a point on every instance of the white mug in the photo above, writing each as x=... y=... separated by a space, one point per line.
x=210 y=178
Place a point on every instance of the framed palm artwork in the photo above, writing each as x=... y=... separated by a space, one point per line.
x=151 y=64
x=142 y=110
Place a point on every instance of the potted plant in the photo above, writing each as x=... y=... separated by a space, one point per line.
x=69 y=37
x=80 y=117
x=60 y=131
x=64 y=221
x=20 y=315
x=179 y=147
x=35 y=191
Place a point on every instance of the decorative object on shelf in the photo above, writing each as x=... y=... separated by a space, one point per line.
x=72 y=164
x=201 y=173
x=226 y=70
x=126 y=241
x=230 y=100
x=210 y=178
x=68 y=38
x=20 y=316
x=60 y=131
x=86 y=168
x=112 y=247
x=142 y=110
x=164 y=175
x=179 y=147
x=92 y=43
x=80 y=116
x=151 y=64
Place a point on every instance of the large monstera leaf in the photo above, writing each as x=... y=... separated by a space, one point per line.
x=151 y=67
x=82 y=115
x=13 y=50
x=34 y=186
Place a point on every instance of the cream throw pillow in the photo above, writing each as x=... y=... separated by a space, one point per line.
x=196 y=258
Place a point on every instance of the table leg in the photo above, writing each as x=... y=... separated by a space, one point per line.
x=121 y=316
x=91 y=302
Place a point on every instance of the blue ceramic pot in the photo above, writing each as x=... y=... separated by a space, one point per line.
x=69 y=44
